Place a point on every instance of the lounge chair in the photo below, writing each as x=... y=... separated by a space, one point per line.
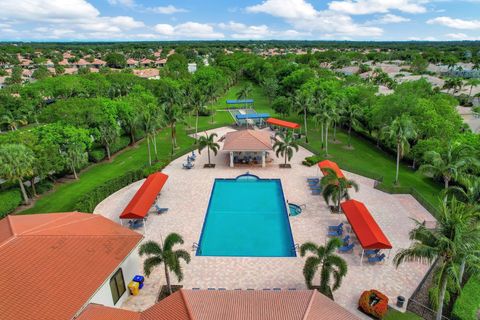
x=336 y=233
x=316 y=192
x=346 y=248
x=313 y=183
x=313 y=179
x=135 y=224
x=187 y=165
x=315 y=187
x=377 y=258
x=371 y=252
x=332 y=228
x=160 y=210
x=345 y=240
x=193 y=156
x=190 y=159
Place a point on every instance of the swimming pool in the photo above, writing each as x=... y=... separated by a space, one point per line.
x=246 y=217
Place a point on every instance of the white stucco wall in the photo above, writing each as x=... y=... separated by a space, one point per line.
x=130 y=268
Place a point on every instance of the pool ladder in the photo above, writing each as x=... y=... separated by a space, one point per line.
x=295 y=247
x=196 y=247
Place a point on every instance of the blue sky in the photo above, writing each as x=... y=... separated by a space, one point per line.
x=84 y=20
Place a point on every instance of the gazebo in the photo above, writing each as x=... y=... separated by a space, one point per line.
x=144 y=198
x=364 y=226
x=247 y=146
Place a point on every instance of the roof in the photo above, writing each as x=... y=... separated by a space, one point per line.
x=252 y=116
x=239 y=101
x=283 y=123
x=365 y=227
x=241 y=305
x=54 y=263
x=96 y=311
x=247 y=140
x=143 y=200
x=327 y=164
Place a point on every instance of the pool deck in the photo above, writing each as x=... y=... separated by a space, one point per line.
x=187 y=193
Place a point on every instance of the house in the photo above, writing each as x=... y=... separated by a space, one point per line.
x=232 y=305
x=54 y=265
x=192 y=67
x=147 y=73
x=132 y=63
x=97 y=63
x=146 y=62
x=160 y=62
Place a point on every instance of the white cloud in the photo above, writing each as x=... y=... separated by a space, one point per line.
x=304 y=17
x=456 y=23
x=460 y=36
x=127 y=3
x=390 y=18
x=188 y=30
x=255 y=32
x=355 y=7
x=423 y=39
x=167 y=9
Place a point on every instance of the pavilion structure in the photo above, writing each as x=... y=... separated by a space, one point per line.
x=248 y=146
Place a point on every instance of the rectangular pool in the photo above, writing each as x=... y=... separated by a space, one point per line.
x=246 y=217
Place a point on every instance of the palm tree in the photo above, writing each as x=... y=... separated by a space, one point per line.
x=148 y=126
x=285 y=146
x=171 y=115
x=330 y=264
x=302 y=103
x=322 y=116
x=472 y=83
x=158 y=254
x=469 y=193
x=448 y=164
x=197 y=100
x=16 y=163
x=244 y=92
x=399 y=132
x=335 y=188
x=208 y=141
x=350 y=116
x=450 y=242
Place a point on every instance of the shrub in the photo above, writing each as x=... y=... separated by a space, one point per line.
x=44 y=186
x=374 y=303
x=464 y=100
x=204 y=112
x=311 y=161
x=97 y=155
x=9 y=201
x=468 y=303
x=120 y=144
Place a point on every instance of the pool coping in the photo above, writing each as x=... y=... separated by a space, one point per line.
x=285 y=214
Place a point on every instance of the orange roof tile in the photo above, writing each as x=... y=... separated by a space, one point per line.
x=247 y=140
x=244 y=305
x=55 y=262
x=99 y=312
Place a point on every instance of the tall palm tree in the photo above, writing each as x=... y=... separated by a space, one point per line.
x=399 y=132
x=16 y=163
x=448 y=164
x=171 y=115
x=469 y=192
x=285 y=146
x=208 y=141
x=158 y=254
x=330 y=264
x=245 y=92
x=450 y=242
x=335 y=188
x=302 y=103
x=472 y=83
x=197 y=100
x=350 y=117
x=322 y=116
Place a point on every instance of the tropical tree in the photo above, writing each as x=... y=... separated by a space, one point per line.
x=302 y=102
x=350 y=116
x=158 y=254
x=325 y=259
x=197 y=101
x=473 y=82
x=208 y=141
x=171 y=115
x=399 y=132
x=336 y=188
x=468 y=192
x=270 y=87
x=285 y=146
x=450 y=242
x=245 y=92
x=448 y=164
x=16 y=163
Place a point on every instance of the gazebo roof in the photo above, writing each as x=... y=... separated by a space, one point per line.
x=247 y=140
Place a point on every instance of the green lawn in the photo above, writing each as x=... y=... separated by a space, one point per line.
x=364 y=158
x=397 y=315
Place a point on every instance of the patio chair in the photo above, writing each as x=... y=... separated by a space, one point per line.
x=346 y=239
x=313 y=182
x=187 y=165
x=371 y=252
x=190 y=159
x=193 y=156
x=315 y=187
x=377 y=258
x=160 y=210
x=316 y=192
x=347 y=248
x=135 y=224
x=313 y=179
x=334 y=228
x=336 y=233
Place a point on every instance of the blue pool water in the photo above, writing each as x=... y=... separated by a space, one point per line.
x=247 y=218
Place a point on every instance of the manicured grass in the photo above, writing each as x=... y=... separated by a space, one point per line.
x=397 y=315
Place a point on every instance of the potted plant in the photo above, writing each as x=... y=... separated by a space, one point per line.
x=374 y=303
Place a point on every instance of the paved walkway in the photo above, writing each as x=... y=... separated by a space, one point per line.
x=187 y=194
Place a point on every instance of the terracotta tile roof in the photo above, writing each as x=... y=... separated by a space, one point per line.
x=147 y=73
x=99 y=312
x=54 y=263
x=244 y=305
x=247 y=140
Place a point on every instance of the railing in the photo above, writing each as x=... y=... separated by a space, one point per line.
x=423 y=311
x=196 y=247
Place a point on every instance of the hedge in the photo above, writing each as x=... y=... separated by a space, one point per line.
x=97 y=155
x=91 y=199
x=468 y=303
x=9 y=201
x=121 y=143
